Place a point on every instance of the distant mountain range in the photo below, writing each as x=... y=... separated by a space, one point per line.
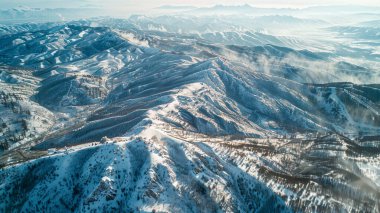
x=25 y=14
x=252 y=10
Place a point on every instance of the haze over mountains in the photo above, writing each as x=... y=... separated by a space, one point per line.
x=22 y=14
x=199 y=109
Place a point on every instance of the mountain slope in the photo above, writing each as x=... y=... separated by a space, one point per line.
x=138 y=126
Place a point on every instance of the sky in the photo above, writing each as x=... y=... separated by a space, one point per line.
x=148 y=4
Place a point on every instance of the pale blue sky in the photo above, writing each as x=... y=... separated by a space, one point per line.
x=155 y=3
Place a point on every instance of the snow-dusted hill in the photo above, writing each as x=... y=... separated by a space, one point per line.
x=129 y=119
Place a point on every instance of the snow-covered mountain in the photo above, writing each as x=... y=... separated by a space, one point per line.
x=111 y=115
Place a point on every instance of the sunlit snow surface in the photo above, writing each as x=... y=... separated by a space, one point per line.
x=186 y=113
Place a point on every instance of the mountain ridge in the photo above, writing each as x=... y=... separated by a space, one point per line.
x=145 y=122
